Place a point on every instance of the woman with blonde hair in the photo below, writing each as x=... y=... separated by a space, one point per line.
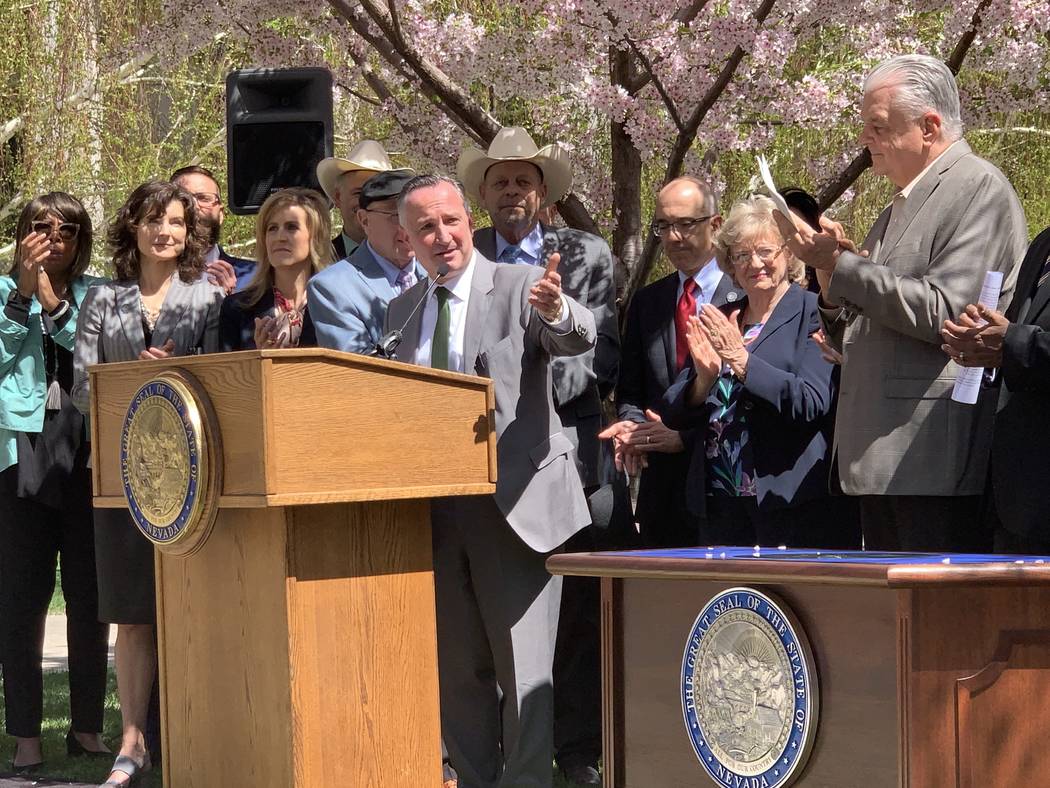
x=292 y=243
x=760 y=395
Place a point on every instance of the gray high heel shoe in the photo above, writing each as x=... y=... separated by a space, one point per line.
x=134 y=770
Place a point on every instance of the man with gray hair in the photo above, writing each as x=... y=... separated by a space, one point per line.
x=917 y=458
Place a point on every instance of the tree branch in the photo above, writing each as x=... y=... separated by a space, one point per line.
x=683 y=16
x=685 y=141
x=359 y=95
x=672 y=110
x=844 y=179
x=955 y=59
x=395 y=21
x=359 y=22
x=371 y=78
x=457 y=104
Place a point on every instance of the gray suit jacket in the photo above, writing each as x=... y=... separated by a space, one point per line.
x=538 y=488
x=348 y=302
x=897 y=430
x=581 y=382
x=109 y=327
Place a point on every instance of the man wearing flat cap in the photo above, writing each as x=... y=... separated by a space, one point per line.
x=515 y=180
x=348 y=300
x=342 y=179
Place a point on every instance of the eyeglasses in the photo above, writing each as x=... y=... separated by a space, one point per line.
x=682 y=226
x=388 y=214
x=764 y=254
x=207 y=199
x=67 y=231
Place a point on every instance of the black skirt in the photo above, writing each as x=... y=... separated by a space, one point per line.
x=124 y=563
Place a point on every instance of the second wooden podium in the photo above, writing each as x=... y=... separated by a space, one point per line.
x=297 y=645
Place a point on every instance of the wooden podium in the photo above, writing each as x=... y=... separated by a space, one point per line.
x=934 y=671
x=297 y=646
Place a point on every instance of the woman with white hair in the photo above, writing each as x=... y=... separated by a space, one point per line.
x=760 y=395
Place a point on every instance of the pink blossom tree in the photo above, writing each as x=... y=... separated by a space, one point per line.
x=639 y=91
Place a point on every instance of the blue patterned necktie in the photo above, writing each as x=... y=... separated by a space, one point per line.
x=510 y=254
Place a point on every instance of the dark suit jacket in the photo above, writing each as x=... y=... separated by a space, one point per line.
x=1020 y=456
x=788 y=396
x=237 y=322
x=581 y=382
x=339 y=246
x=647 y=369
x=242 y=267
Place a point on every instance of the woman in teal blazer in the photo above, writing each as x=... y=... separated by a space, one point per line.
x=45 y=485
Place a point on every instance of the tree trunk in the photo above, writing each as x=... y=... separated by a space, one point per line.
x=626 y=183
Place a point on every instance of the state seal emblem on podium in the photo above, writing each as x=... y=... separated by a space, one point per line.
x=171 y=462
x=749 y=690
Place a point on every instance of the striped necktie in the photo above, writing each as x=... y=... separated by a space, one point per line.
x=405 y=279
x=1045 y=274
x=510 y=254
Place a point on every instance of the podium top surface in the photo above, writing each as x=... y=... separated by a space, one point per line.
x=782 y=565
x=310 y=426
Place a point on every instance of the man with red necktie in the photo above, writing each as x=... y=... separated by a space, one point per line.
x=653 y=352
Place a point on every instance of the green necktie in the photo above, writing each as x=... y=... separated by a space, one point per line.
x=439 y=344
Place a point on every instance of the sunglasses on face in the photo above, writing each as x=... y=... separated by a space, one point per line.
x=67 y=231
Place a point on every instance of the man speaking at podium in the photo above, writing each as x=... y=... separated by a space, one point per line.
x=497 y=607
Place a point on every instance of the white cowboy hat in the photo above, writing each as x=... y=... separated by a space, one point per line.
x=513 y=143
x=367 y=156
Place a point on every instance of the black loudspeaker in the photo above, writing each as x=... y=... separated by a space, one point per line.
x=278 y=127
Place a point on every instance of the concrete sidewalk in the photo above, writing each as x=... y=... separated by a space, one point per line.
x=55 y=657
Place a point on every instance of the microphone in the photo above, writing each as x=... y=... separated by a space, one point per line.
x=388 y=343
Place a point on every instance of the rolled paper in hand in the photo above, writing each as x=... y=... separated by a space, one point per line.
x=968 y=382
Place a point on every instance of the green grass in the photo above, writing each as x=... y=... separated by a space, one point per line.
x=57 y=605
x=53 y=734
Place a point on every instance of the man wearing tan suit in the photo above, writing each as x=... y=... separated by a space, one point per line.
x=917 y=458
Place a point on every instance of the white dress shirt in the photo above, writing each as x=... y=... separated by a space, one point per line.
x=459 y=288
x=460 y=295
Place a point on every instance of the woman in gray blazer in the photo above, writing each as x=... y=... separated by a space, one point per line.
x=159 y=306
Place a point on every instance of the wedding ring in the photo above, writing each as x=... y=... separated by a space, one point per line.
x=648 y=438
x=962 y=357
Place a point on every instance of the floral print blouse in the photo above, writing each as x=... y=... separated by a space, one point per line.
x=730 y=462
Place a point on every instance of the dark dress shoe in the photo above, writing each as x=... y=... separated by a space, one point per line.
x=74 y=749
x=582 y=775
x=27 y=768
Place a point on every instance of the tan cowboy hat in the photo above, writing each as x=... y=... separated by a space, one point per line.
x=367 y=156
x=513 y=143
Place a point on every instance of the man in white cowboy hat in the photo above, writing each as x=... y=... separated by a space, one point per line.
x=342 y=180
x=515 y=180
